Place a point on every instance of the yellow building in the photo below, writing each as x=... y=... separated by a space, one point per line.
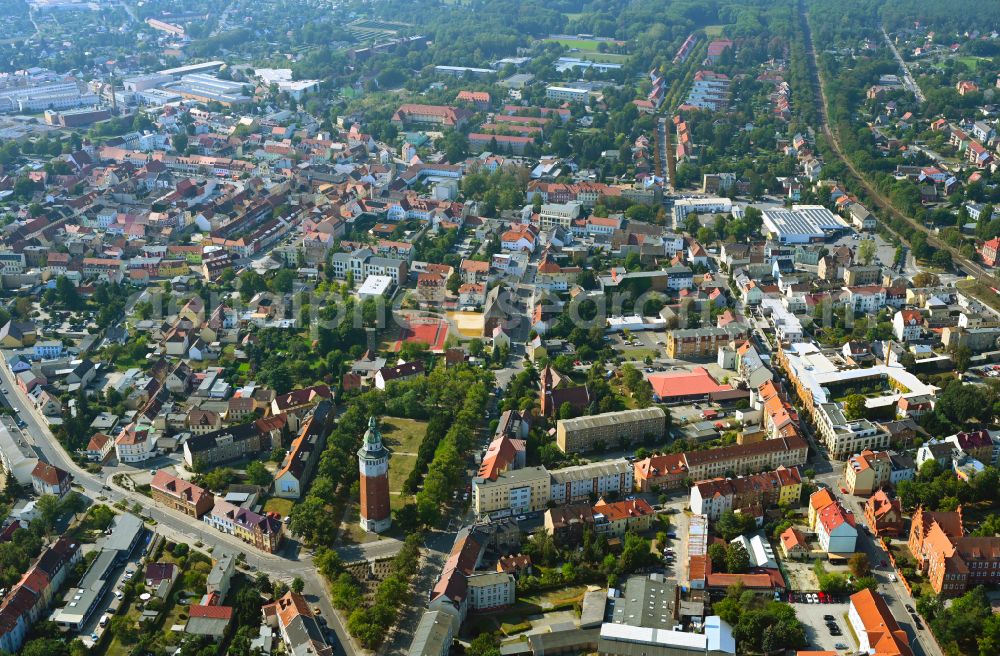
x=520 y=490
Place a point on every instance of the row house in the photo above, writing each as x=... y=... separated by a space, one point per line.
x=264 y=532
x=748 y=495
x=30 y=597
x=180 y=495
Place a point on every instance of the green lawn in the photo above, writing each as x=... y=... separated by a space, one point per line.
x=639 y=353
x=607 y=57
x=713 y=31
x=399 y=469
x=971 y=62
x=402 y=435
x=579 y=44
x=281 y=506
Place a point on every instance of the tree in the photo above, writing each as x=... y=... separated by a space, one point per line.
x=566 y=411
x=867 y=251
x=962 y=357
x=484 y=644
x=45 y=647
x=731 y=525
x=737 y=558
x=926 y=279
x=854 y=406
x=257 y=474
x=180 y=142
x=283 y=281
x=298 y=585
x=49 y=510
x=454 y=282
x=859 y=564
x=717 y=554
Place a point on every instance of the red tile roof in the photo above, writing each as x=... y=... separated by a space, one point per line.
x=49 y=474
x=211 y=612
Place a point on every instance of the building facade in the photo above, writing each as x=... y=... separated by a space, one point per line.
x=610 y=429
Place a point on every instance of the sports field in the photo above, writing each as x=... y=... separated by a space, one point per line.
x=425 y=330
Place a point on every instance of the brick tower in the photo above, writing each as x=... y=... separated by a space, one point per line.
x=373 y=465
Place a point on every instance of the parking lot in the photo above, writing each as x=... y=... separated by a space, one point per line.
x=92 y=631
x=813 y=617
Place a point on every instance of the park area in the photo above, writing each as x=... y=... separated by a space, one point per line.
x=403 y=438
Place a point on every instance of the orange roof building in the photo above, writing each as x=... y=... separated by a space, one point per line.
x=877 y=630
x=503 y=454
x=819 y=500
x=665 y=472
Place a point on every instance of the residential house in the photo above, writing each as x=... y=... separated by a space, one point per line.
x=49 y=479
x=135 y=443
x=876 y=629
x=99 y=447
x=402 y=371
x=211 y=621
x=160 y=578
x=567 y=524
x=300 y=632
x=884 y=515
x=304 y=453
x=664 y=472
x=793 y=544
x=618 y=517
x=180 y=495
x=836 y=530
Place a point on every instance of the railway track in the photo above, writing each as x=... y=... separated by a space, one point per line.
x=959 y=261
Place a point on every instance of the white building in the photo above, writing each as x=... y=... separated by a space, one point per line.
x=709 y=205
x=865 y=300
x=802 y=224
x=490 y=589
x=835 y=528
x=16 y=454
x=135 y=444
x=759 y=549
x=907 y=325
x=567 y=94
x=375 y=286
x=872 y=622
x=597 y=479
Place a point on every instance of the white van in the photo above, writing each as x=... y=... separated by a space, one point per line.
x=104 y=620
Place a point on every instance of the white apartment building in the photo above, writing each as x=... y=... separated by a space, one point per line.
x=598 y=478
x=844 y=437
x=865 y=300
x=490 y=589
x=559 y=214
x=567 y=94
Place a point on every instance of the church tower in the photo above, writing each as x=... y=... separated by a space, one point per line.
x=373 y=465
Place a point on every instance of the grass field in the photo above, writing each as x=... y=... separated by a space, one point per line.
x=579 y=44
x=607 y=58
x=399 y=469
x=402 y=435
x=714 y=30
x=281 y=506
x=971 y=62
x=639 y=353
